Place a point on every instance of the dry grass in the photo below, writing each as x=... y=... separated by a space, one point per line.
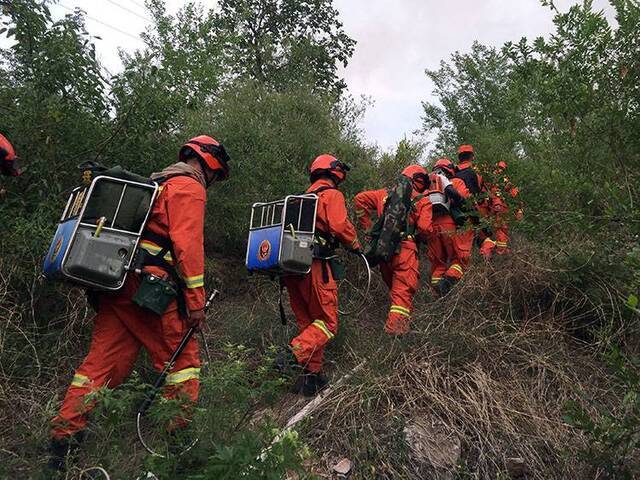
x=494 y=362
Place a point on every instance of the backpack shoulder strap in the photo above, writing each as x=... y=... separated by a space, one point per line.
x=322 y=189
x=417 y=198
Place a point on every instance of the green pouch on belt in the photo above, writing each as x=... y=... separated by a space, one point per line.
x=155 y=293
x=337 y=269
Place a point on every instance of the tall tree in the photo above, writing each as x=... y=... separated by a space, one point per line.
x=285 y=42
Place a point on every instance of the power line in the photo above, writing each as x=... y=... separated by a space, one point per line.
x=128 y=10
x=135 y=37
x=138 y=4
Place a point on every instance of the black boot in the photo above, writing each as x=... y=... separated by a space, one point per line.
x=314 y=383
x=298 y=385
x=445 y=285
x=285 y=362
x=59 y=450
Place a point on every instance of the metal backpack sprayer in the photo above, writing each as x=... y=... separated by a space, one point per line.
x=281 y=235
x=282 y=240
x=100 y=228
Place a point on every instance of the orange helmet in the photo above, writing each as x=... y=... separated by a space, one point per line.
x=465 y=153
x=210 y=151
x=8 y=159
x=418 y=176
x=326 y=164
x=445 y=165
x=500 y=166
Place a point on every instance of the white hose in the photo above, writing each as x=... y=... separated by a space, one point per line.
x=99 y=469
x=365 y=297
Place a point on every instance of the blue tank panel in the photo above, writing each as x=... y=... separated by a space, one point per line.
x=264 y=249
x=53 y=261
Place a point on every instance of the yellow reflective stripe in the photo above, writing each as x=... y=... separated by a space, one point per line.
x=435 y=280
x=354 y=242
x=399 y=312
x=150 y=247
x=501 y=244
x=154 y=249
x=457 y=267
x=195 y=281
x=80 y=380
x=323 y=327
x=400 y=309
x=488 y=240
x=360 y=213
x=182 y=376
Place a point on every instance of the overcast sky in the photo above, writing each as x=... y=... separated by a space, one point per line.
x=397 y=41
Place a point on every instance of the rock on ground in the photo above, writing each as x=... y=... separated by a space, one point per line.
x=432 y=443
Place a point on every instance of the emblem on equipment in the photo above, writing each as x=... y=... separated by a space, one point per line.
x=56 y=250
x=264 y=252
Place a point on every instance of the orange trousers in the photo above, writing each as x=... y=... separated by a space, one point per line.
x=463 y=244
x=499 y=244
x=120 y=329
x=446 y=251
x=314 y=302
x=402 y=277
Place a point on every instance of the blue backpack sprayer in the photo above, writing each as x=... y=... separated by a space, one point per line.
x=96 y=242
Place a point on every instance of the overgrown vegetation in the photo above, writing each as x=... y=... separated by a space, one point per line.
x=516 y=363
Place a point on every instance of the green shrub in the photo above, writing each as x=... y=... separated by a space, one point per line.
x=612 y=431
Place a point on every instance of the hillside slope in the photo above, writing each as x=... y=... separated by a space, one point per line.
x=486 y=373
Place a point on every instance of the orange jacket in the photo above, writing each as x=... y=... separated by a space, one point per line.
x=460 y=187
x=466 y=171
x=373 y=200
x=332 y=217
x=179 y=215
x=501 y=189
x=6 y=149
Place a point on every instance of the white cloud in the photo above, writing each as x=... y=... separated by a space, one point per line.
x=397 y=40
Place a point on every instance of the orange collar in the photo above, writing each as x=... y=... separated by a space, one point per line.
x=320 y=183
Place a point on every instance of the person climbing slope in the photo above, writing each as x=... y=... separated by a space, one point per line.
x=406 y=204
x=171 y=255
x=444 y=258
x=9 y=162
x=314 y=296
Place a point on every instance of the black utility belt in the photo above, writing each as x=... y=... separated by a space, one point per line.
x=323 y=252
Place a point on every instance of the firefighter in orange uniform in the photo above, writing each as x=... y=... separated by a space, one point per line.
x=470 y=185
x=444 y=257
x=172 y=248
x=401 y=274
x=314 y=297
x=501 y=190
x=8 y=158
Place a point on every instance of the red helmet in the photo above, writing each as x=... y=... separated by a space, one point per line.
x=8 y=159
x=329 y=165
x=418 y=176
x=446 y=165
x=210 y=151
x=465 y=149
x=501 y=166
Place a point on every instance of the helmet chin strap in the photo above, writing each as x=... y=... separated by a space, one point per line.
x=206 y=171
